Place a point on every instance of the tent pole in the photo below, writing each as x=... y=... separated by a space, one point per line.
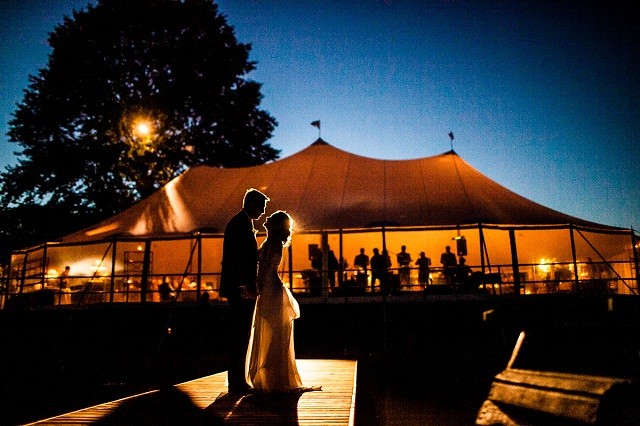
x=384 y=239
x=44 y=265
x=145 y=271
x=24 y=272
x=199 y=275
x=636 y=260
x=325 y=262
x=290 y=254
x=7 y=281
x=575 y=259
x=482 y=247
x=483 y=253
x=340 y=260
x=385 y=286
x=515 y=264
x=112 y=285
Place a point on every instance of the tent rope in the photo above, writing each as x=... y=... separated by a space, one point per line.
x=167 y=327
x=606 y=262
x=87 y=289
x=187 y=268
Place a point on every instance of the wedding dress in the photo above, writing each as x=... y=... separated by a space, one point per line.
x=271 y=361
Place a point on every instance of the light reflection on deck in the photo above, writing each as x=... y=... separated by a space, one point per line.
x=209 y=400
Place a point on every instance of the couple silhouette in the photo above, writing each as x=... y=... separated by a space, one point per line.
x=262 y=309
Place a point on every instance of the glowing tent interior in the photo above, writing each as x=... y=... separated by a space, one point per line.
x=339 y=201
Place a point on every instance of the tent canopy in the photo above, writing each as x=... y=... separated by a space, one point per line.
x=325 y=188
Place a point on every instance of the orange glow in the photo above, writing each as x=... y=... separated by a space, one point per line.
x=102 y=229
x=142 y=128
x=544 y=265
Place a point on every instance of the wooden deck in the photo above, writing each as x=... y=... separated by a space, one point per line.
x=206 y=401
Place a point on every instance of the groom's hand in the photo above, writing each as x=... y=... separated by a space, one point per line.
x=246 y=294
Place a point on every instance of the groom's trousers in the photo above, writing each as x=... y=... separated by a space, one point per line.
x=240 y=316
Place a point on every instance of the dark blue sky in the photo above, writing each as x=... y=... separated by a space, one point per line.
x=542 y=97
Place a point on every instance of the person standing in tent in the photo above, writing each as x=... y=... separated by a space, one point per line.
x=64 y=277
x=361 y=263
x=404 y=266
x=424 y=266
x=378 y=269
x=449 y=262
x=238 y=283
x=65 y=295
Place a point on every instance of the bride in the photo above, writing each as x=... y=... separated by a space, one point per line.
x=271 y=357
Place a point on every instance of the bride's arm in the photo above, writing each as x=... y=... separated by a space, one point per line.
x=262 y=270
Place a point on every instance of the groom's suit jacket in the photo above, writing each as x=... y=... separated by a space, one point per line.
x=239 y=256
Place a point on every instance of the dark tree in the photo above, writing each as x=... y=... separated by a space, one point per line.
x=134 y=93
x=30 y=224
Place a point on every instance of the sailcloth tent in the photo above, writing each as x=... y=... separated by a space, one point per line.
x=342 y=202
x=326 y=188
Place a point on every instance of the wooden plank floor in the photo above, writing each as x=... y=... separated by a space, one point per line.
x=206 y=401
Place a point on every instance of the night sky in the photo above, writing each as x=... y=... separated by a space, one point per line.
x=542 y=97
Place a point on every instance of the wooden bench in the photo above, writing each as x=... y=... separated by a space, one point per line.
x=543 y=397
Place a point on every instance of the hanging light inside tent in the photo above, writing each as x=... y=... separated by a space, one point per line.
x=461 y=245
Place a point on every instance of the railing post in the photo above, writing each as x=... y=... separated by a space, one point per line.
x=515 y=264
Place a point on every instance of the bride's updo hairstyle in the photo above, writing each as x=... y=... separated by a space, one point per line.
x=278 y=227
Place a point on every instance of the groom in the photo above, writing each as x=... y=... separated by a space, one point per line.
x=238 y=283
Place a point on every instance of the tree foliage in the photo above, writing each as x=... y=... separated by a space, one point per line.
x=173 y=66
x=30 y=224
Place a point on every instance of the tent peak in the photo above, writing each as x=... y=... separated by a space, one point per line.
x=320 y=141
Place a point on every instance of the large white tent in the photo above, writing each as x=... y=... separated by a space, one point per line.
x=345 y=202
x=325 y=188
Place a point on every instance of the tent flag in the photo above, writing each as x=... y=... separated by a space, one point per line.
x=316 y=124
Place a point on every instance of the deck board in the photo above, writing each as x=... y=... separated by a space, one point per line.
x=207 y=398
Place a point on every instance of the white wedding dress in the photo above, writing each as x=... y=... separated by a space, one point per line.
x=271 y=361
